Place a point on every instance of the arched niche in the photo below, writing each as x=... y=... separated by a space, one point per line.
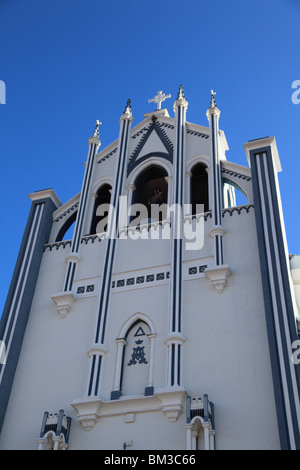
x=134 y=367
x=99 y=216
x=199 y=187
x=136 y=359
x=151 y=189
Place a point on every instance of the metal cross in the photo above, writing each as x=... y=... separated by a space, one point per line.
x=159 y=98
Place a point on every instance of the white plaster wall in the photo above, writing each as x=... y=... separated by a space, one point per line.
x=225 y=353
x=227 y=346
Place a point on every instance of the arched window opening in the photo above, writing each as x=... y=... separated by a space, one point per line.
x=199 y=187
x=233 y=195
x=99 y=219
x=136 y=359
x=66 y=231
x=151 y=191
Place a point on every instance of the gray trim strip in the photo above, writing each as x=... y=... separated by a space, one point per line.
x=18 y=304
x=277 y=297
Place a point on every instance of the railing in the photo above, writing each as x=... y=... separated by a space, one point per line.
x=151 y=226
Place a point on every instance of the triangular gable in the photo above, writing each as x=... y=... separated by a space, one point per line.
x=160 y=146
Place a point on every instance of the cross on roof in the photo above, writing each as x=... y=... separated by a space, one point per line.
x=159 y=98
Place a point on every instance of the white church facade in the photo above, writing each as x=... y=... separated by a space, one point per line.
x=170 y=319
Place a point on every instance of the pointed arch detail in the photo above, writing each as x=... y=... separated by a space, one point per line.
x=137 y=354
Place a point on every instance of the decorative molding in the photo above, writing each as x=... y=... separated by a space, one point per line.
x=217 y=230
x=164 y=124
x=45 y=194
x=173 y=338
x=57 y=245
x=144 y=129
x=63 y=302
x=238 y=209
x=71 y=209
x=73 y=257
x=236 y=174
x=171 y=399
x=218 y=275
x=85 y=289
x=87 y=409
x=100 y=349
x=139 y=279
x=106 y=157
x=197 y=269
x=198 y=134
x=91 y=238
x=154 y=126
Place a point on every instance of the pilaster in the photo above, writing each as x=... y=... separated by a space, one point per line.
x=263 y=157
x=17 y=307
x=219 y=273
x=72 y=260
x=111 y=240
x=175 y=309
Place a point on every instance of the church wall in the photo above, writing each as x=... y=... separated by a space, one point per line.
x=220 y=339
x=227 y=345
x=111 y=432
x=53 y=362
x=224 y=355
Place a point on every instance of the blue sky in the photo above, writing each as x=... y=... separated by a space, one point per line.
x=66 y=63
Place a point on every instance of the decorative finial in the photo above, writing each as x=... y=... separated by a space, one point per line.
x=128 y=109
x=181 y=93
x=96 y=131
x=159 y=98
x=213 y=103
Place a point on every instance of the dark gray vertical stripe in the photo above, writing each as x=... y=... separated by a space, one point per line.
x=80 y=216
x=271 y=330
x=66 y=286
x=113 y=241
x=83 y=199
x=281 y=370
x=92 y=375
x=98 y=375
x=172 y=363
x=178 y=364
x=218 y=239
x=284 y=305
x=18 y=303
x=107 y=265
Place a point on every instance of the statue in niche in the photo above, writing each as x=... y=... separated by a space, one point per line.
x=157 y=197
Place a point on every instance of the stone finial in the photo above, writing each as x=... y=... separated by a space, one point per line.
x=128 y=109
x=96 y=131
x=213 y=103
x=181 y=94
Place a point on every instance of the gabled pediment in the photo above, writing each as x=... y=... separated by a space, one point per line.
x=155 y=141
